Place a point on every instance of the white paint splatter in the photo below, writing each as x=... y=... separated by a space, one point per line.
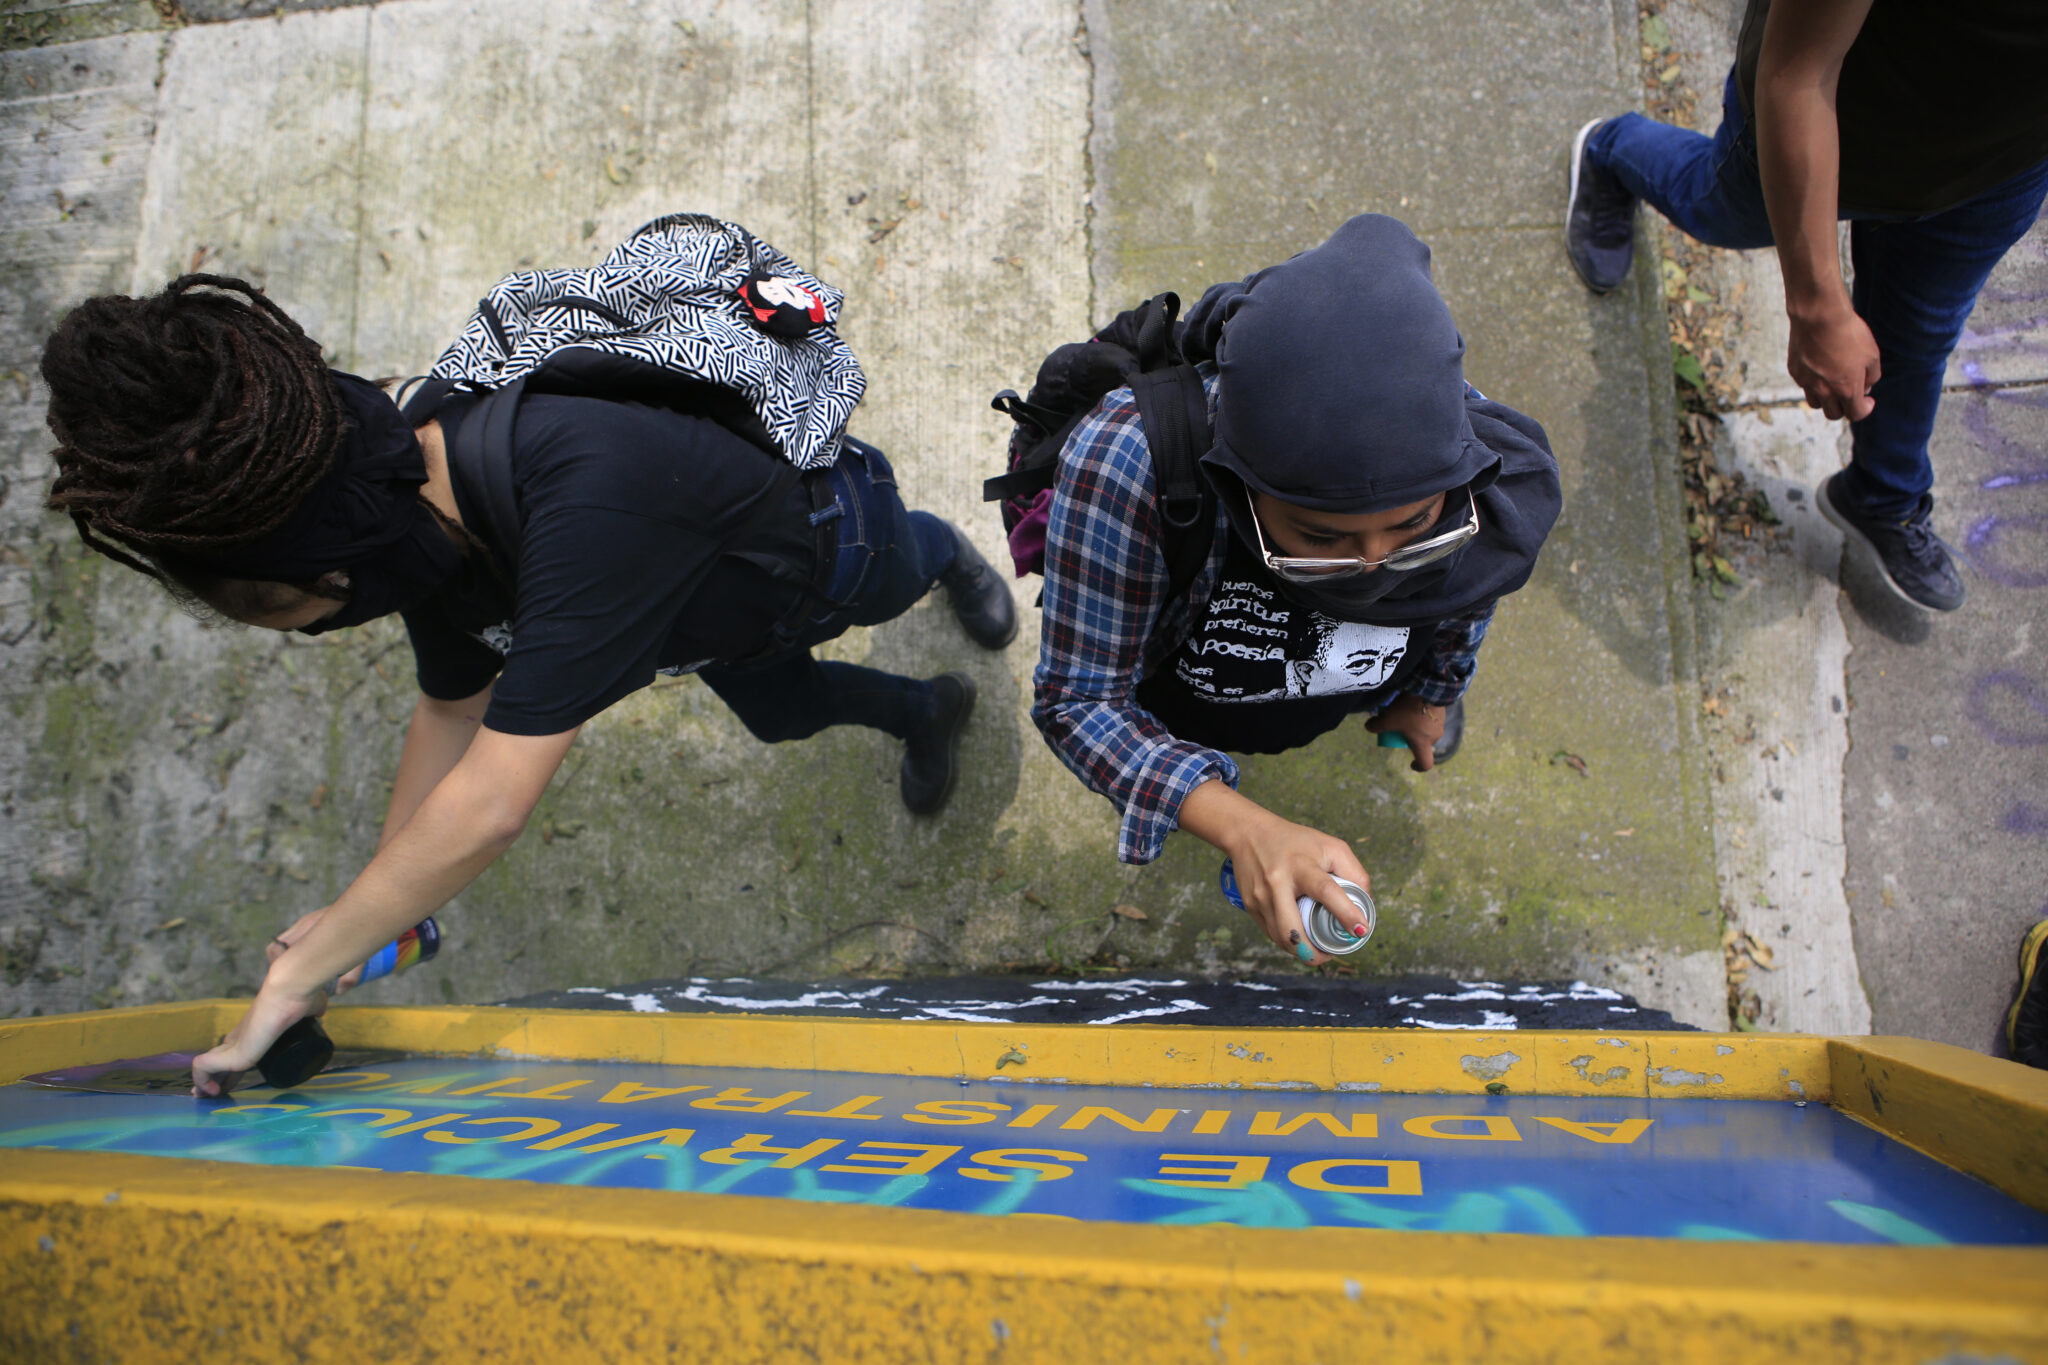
x=1177 y=1007
x=1122 y=986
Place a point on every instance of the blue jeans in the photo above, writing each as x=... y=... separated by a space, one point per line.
x=1916 y=279
x=887 y=560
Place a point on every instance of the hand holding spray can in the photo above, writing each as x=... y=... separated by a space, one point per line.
x=1319 y=924
x=416 y=945
x=302 y=1050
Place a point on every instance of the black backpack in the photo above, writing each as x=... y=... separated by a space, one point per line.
x=1139 y=349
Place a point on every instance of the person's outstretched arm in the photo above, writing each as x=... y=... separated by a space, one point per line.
x=470 y=817
x=1832 y=356
x=435 y=741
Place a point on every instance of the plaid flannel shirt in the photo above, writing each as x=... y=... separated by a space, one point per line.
x=1106 y=625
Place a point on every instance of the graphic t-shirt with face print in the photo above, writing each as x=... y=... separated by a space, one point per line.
x=1259 y=673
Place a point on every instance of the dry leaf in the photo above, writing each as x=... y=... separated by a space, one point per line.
x=1128 y=912
x=171 y=924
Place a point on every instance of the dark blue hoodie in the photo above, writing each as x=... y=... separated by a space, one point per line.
x=1341 y=387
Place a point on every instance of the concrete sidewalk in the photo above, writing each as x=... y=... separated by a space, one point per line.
x=985 y=181
x=1880 y=775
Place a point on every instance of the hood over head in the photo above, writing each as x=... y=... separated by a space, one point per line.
x=1340 y=387
x=1340 y=376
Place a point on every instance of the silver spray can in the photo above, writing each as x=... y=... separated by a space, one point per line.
x=1326 y=933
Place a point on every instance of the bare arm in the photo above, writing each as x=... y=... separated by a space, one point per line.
x=470 y=817
x=435 y=742
x=1832 y=356
x=1276 y=861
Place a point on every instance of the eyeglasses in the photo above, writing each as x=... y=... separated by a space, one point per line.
x=1301 y=569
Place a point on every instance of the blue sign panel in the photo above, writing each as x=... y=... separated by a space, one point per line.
x=1682 y=1168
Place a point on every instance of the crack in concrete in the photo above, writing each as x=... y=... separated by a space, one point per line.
x=810 y=135
x=1084 y=44
x=355 y=301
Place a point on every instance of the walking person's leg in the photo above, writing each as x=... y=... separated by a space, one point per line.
x=1915 y=285
x=796 y=696
x=1707 y=187
x=888 y=558
x=916 y=551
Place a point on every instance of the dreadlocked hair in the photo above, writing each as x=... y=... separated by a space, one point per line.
x=187 y=422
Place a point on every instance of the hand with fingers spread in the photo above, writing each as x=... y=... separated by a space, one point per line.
x=1277 y=862
x=1419 y=722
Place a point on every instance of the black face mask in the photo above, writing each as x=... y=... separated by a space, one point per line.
x=399 y=575
x=364 y=518
x=1352 y=598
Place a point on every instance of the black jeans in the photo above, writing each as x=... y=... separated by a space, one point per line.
x=887 y=560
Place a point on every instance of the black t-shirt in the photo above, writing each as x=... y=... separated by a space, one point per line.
x=1936 y=104
x=628 y=562
x=1260 y=675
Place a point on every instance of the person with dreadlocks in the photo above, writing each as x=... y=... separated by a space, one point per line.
x=203 y=441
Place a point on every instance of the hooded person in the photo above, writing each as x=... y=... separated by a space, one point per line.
x=1372 y=509
x=204 y=441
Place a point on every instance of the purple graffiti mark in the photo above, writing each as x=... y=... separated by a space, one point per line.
x=2008 y=339
x=2022 y=464
x=1977 y=706
x=2017 y=337
x=1982 y=543
x=2013 y=454
x=2026 y=818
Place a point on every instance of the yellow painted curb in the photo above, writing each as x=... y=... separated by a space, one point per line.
x=1395 y=1061
x=142 y=1259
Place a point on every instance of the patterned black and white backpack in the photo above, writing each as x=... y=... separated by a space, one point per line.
x=690 y=313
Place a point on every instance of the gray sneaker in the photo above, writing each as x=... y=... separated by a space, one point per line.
x=1912 y=560
x=1599 y=220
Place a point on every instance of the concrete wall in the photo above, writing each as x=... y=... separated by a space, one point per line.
x=983 y=179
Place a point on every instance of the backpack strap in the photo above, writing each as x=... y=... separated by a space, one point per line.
x=480 y=463
x=1175 y=410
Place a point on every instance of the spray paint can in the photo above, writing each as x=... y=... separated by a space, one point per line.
x=416 y=945
x=1326 y=933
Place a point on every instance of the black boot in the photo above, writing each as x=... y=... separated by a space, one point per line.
x=931 y=757
x=1454 y=732
x=981 y=599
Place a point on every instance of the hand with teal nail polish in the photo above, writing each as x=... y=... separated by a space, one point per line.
x=1277 y=862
